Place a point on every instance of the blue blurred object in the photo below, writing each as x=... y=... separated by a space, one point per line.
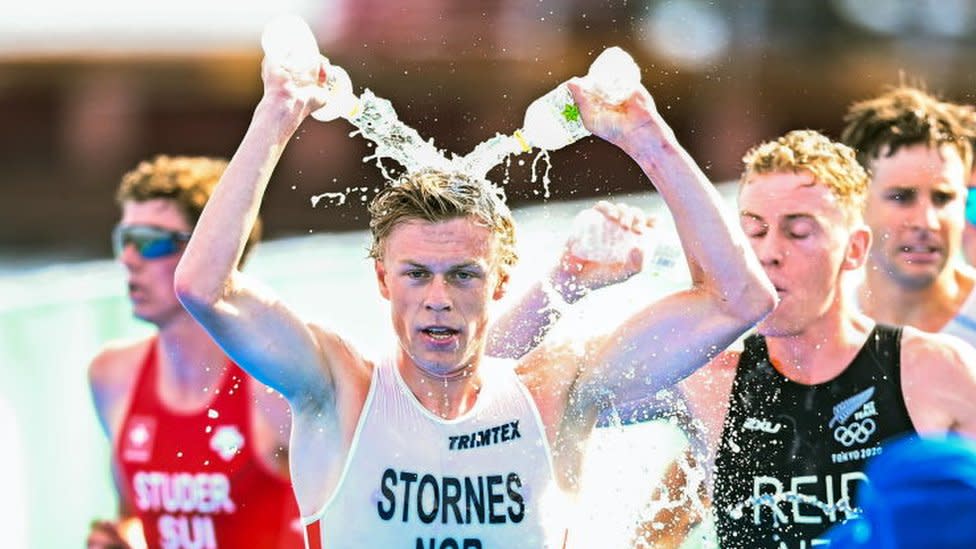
x=921 y=494
x=971 y=205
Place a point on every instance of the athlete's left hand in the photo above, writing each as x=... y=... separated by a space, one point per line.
x=618 y=121
x=626 y=232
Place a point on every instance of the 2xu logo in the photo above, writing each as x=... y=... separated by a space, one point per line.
x=764 y=425
x=857 y=432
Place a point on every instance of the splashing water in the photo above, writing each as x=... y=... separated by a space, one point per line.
x=339 y=198
x=379 y=123
x=488 y=154
x=288 y=42
x=544 y=156
x=393 y=140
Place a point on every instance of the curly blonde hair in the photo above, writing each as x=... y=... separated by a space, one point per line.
x=905 y=116
x=832 y=164
x=435 y=196
x=186 y=180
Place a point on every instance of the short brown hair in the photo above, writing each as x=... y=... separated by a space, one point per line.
x=905 y=116
x=832 y=164
x=434 y=196
x=186 y=180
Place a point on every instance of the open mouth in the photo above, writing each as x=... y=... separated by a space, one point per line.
x=920 y=253
x=440 y=333
x=919 y=249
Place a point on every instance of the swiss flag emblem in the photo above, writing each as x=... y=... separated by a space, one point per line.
x=138 y=439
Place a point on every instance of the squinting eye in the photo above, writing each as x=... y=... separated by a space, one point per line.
x=941 y=199
x=416 y=274
x=753 y=227
x=900 y=197
x=800 y=229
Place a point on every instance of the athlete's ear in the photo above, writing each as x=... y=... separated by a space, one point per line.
x=502 y=286
x=380 y=269
x=858 y=246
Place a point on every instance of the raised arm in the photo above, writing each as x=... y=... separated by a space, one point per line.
x=671 y=338
x=575 y=275
x=255 y=329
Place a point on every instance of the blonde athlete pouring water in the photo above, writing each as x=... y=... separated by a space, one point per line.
x=438 y=446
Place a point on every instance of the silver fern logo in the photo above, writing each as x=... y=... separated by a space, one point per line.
x=845 y=409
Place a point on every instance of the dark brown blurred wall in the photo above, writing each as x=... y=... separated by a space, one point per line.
x=457 y=72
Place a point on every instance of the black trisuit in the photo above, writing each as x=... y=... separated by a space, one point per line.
x=787 y=440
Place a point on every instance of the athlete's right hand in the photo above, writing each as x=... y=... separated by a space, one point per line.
x=303 y=92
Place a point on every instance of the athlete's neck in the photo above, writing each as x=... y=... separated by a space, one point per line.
x=446 y=396
x=929 y=308
x=823 y=350
x=190 y=364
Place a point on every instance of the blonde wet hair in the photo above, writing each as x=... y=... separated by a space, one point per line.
x=832 y=164
x=435 y=196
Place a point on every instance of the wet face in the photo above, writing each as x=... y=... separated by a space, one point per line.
x=150 y=281
x=803 y=241
x=440 y=279
x=915 y=209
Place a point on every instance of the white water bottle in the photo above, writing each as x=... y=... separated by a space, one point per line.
x=288 y=42
x=553 y=120
x=596 y=240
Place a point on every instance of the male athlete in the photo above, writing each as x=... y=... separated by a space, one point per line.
x=918 y=152
x=435 y=445
x=789 y=421
x=199 y=449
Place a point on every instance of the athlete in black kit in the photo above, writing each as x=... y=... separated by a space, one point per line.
x=790 y=420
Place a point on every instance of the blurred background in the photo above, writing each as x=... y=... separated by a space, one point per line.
x=87 y=89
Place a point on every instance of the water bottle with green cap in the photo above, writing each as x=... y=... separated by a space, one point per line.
x=553 y=120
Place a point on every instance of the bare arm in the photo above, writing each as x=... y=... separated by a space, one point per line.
x=939 y=382
x=526 y=323
x=254 y=328
x=671 y=338
x=111 y=379
x=678 y=505
x=683 y=499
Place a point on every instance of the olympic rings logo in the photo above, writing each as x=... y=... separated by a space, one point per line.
x=859 y=432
